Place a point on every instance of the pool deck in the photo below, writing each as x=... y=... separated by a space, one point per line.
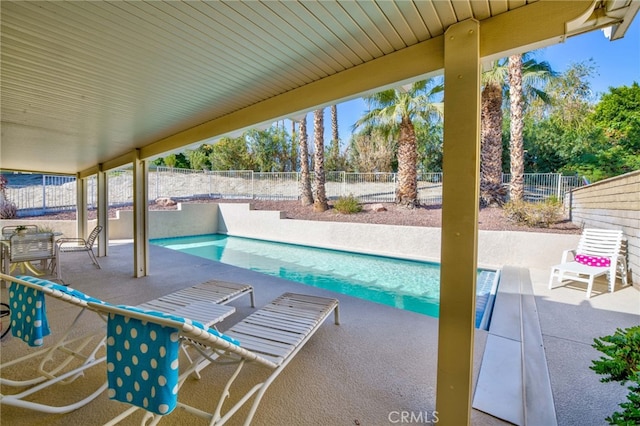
x=379 y=362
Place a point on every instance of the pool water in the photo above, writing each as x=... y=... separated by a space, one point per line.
x=404 y=284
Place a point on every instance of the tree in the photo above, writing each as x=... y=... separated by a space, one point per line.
x=306 y=196
x=395 y=111
x=559 y=136
x=197 y=158
x=333 y=162
x=230 y=154
x=170 y=161
x=429 y=138
x=320 y=203
x=295 y=140
x=372 y=150
x=269 y=149
x=531 y=74
x=618 y=114
x=517 y=123
x=491 y=191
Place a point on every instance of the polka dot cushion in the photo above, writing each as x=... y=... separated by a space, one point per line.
x=28 y=314
x=593 y=260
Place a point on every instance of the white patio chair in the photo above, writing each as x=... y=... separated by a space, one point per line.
x=74 y=245
x=598 y=253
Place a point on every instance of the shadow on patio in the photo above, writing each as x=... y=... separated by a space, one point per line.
x=378 y=363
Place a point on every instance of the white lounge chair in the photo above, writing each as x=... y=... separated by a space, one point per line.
x=80 y=353
x=60 y=363
x=598 y=253
x=270 y=337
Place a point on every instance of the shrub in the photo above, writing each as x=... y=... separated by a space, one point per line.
x=621 y=364
x=347 y=205
x=8 y=209
x=537 y=215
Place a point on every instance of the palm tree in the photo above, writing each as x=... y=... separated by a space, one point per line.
x=320 y=203
x=394 y=112
x=494 y=81
x=533 y=74
x=491 y=191
x=306 y=198
x=516 y=146
x=334 y=147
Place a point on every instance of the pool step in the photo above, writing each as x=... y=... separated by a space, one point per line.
x=514 y=383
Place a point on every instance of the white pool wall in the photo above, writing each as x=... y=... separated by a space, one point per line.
x=495 y=248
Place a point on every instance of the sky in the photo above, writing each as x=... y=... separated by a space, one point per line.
x=617 y=64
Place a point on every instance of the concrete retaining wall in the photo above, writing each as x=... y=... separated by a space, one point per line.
x=495 y=249
x=612 y=204
x=188 y=219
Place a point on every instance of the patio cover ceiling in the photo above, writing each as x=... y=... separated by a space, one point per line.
x=89 y=83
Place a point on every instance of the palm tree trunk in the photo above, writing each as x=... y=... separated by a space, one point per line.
x=294 y=148
x=516 y=146
x=407 y=190
x=306 y=198
x=335 y=142
x=320 y=204
x=491 y=191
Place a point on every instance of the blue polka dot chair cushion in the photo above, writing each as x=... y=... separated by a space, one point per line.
x=28 y=314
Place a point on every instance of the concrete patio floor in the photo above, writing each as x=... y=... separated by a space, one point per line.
x=379 y=362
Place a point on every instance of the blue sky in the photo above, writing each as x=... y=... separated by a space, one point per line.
x=617 y=64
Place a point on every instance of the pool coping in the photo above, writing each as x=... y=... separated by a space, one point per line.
x=514 y=382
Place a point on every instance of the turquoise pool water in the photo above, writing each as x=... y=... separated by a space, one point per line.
x=404 y=284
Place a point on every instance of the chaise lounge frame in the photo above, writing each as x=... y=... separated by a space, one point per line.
x=605 y=243
x=213 y=291
x=270 y=337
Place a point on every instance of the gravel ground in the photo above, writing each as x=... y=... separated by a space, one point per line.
x=429 y=216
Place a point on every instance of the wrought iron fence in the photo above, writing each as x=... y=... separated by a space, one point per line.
x=58 y=193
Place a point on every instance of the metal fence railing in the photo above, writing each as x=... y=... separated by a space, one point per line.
x=541 y=186
x=58 y=193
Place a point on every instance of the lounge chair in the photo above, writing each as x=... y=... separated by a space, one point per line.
x=80 y=353
x=61 y=363
x=598 y=253
x=270 y=337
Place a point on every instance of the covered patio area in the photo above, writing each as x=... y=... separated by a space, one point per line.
x=88 y=87
x=377 y=366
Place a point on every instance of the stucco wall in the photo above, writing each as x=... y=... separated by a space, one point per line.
x=495 y=249
x=188 y=219
x=612 y=204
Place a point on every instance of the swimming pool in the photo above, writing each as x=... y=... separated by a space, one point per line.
x=404 y=284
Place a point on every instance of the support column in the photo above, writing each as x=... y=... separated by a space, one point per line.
x=81 y=208
x=103 y=213
x=461 y=171
x=140 y=217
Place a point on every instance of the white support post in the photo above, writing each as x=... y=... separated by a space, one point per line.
x=103 y=212
x=140 y=217
x=81 y=207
